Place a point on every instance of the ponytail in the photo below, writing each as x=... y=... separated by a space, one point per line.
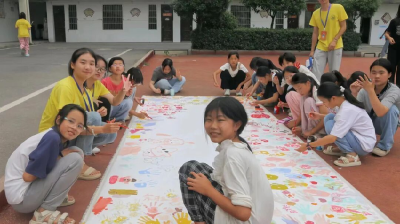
x=329 y=89
x=242 y=140
x=335 y=77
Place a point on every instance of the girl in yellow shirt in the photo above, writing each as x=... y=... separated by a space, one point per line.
x=23 y=27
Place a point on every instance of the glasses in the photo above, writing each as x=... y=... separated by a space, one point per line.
x=80 y=127
x=114 y=65
x=100 y=69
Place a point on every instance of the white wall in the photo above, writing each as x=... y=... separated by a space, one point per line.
x=90 y=29
x=8 y=32
x=255 y=18
x=377 y=30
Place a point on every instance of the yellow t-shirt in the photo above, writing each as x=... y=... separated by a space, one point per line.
x=99 y=90
x=336 y=15
x=65 y=92
x=23 y=27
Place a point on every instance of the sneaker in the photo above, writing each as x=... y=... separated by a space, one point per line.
x=379 y=152
x=27 y=55
x=172 y=92
x=227 y=92
x=95 y=150
x=167 y=91
x=239 y=94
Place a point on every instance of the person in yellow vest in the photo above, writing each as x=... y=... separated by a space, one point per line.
x=329 y=24
x=23 y=27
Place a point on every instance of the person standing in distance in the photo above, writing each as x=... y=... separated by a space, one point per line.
x=329 y=24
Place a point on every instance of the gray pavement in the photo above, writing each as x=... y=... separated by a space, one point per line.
x=21 y=76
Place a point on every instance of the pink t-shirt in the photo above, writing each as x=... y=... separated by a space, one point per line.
x=114 y=89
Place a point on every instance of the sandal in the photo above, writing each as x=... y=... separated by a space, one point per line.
x=329 y=151
x=87 y=175
x=344 y=161
x=66 y=202
x=41 y=216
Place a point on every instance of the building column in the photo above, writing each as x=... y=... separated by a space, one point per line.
x=24 y=7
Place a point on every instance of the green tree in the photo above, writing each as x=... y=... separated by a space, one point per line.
x=272 y=7
x=207 y=12
x=358 y=9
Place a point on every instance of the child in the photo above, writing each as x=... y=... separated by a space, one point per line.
x=163 y=80
x=353 y=84
x=236 y=191
x=253 y=81
x=335 y=77
x=233 y=75
x=72 y=90
x=307 y=88
x=271 y=95
x=102 y=98
x=274 y=70
x=289 y=59
x=351 y=128
x=381 y=100
x=115 y=84
x=23 y=27
x=292 y=98
x=41 y=171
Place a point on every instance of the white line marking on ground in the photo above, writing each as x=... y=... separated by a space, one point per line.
x=25 y=98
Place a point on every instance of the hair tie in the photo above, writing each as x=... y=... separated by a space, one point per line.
x=342 y=89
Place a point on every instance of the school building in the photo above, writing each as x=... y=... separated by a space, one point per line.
x=150 y=20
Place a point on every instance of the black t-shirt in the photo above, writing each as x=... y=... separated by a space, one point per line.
x=270 y=88
x=286 y=90
x=394 y=31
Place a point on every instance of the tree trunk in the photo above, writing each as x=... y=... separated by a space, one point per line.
x=272 y=22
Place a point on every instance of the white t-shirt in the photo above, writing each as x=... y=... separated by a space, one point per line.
x=46 y=146
x=244 y=182
x=305 y=70
x=239 y=66
x=354 y=119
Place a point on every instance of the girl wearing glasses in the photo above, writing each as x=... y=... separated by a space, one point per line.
x=73 y=90
x=102 y=98
x=42 y=170
x=115 y=83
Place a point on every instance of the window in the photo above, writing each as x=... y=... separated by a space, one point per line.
x=152 y=17
x=279 y=19
x=242 y=13
x=112 y=17
x=73 y=20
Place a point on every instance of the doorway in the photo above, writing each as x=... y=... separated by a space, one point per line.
x=166 y=23
x=38 y=16
x=59 y=23
x=186 y=28
x=293 y=22
x=365 y=29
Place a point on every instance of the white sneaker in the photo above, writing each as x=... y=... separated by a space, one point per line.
x=167 y=91
x=227 y=92
x=95 y=150
x=239 y=94
x=379 y=152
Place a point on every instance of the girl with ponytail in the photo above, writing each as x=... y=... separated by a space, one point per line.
x=351 y=129
x=307 y=87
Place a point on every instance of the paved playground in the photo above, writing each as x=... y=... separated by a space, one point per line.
x=377 y=179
